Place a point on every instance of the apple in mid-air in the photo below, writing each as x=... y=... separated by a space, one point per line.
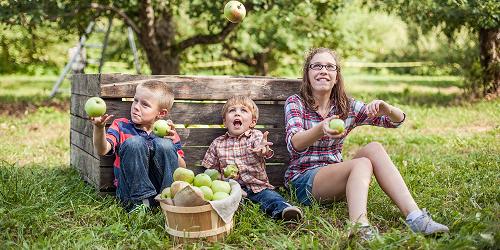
x=337 y=124
x=235 y=11
x=184 y=174
x=95 y=107
x=161 y=128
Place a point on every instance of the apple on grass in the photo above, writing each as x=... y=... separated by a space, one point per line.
x=235 y=11
x=95 y=107
x=337 y=124
x=161 y=128
x=184 y=174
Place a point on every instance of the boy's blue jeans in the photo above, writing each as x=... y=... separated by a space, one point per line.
x=146 y=168
x=270 y=201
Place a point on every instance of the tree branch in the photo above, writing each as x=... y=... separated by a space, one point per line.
x=120 y=13
x=207 y=39
x=244 y=60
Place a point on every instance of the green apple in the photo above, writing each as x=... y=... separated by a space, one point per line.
x=165 y=193
x=208 y=194
x=221 y=186
x=202 y=180
x=220 y=196
x=337 y=124
x=235 y=11
x=95 y=107
x=184 y=174
x=213 y=173
x=231 y=171
x=177 y=186
x=161 y=128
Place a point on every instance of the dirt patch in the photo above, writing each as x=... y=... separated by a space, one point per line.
x=24 y=108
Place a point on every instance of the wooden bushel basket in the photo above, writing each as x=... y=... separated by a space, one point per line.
x=190 y=224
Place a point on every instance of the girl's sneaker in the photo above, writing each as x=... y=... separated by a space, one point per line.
x=424 y=224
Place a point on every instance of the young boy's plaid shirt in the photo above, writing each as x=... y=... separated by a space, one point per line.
x=227 y=149
x=326 y=150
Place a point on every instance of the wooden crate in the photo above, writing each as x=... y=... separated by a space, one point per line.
x=118 y=89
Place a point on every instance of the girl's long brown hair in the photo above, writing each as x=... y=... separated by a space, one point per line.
x=338 y=97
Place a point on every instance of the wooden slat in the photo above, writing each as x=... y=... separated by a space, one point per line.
x=86 y=164
x=213 y=87
x=114 y=78
x=184 y=113
x=83 y=142
x=205 y=136
x=88 y=85
x=81 y=125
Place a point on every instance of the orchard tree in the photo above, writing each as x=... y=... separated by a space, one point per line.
x=481 y=16
x=156 y=25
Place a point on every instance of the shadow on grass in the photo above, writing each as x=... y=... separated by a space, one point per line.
x=18 y=105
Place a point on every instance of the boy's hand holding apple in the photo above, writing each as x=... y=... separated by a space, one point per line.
x=101 y=121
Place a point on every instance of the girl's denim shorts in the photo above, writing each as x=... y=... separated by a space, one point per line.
x=303 y=185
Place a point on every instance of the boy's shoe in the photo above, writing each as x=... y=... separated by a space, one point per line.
x=424 y=224
x=291 y=213
x=139 y=208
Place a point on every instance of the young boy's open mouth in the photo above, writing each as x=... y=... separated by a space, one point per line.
x=237 y=123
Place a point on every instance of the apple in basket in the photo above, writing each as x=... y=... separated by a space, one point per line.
x=221 y=186
x=208 y=194
x=202 y=180
x=220 y=196
x=184 y=174
x=165 y=194
x=176 y=187
x=213 y=173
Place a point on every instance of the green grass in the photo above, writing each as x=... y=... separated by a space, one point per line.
x=448 y=152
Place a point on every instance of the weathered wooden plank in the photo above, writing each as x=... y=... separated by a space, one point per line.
x=205 y=136
x=81 y=125
x=114 y=78
x=213 y=87
x=194 y=155
x=83 y=142
x=86 y=84
x=183 y=112
x=86 y=164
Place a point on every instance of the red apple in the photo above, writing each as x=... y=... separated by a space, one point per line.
x=235 y=11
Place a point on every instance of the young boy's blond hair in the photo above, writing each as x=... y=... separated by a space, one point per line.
x=241 y=100
x=162 y=91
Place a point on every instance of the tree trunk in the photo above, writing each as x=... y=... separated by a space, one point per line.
x=489 y=42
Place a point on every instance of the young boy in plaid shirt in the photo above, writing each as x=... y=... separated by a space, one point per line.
x=248 y=148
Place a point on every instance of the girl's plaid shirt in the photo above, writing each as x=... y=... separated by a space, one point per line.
x=326 y=150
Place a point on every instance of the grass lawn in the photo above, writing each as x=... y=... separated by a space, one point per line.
x=448 y=152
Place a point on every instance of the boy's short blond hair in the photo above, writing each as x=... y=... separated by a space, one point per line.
x=241 y=100
x=162 y=91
